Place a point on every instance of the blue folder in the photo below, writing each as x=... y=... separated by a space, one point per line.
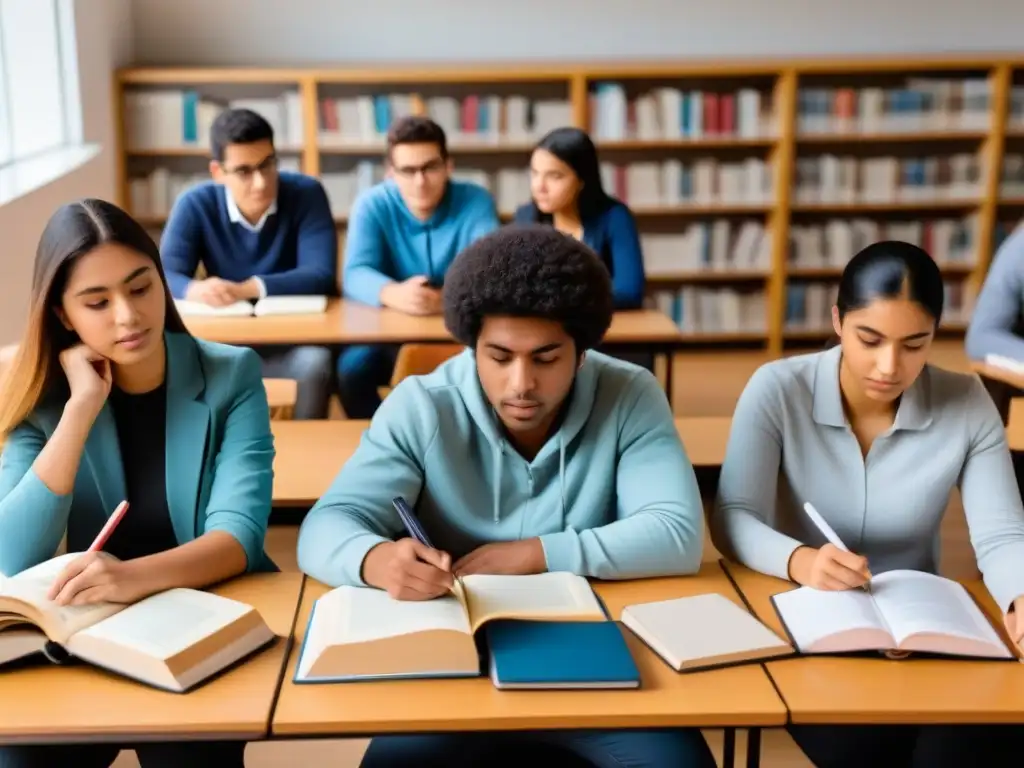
x=559 y=654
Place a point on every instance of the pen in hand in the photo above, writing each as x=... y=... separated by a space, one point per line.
x=831 y=569
x=108 y=528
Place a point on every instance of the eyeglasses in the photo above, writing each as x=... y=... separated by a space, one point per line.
x=267 y=169
x=427 y=169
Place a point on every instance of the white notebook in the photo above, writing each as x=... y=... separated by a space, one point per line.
x=905 y=611
x=271 y=305
x=702 y=632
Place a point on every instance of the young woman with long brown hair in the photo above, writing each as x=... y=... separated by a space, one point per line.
x=109 y=398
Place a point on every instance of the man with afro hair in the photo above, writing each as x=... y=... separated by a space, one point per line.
x=528 y=452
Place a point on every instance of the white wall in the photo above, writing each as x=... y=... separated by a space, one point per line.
x=104 y=42
x=332 y=31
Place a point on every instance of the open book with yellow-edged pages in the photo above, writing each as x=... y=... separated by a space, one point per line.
x=173 y=640
x=359 y=633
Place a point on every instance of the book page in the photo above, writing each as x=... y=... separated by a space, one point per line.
x=165 y=624
x=363 y=614
x=188 y=308
x=552 y=596
x=832 y=622
x=917 y=603
x=291 y=305
x=59 y=622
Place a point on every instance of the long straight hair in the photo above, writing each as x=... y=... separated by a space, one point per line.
x=72 y=232
x=575 y=148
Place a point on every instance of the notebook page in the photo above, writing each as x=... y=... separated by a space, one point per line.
x=813 y=615
x=915 y=602
x=165 y=624
x=537 y=596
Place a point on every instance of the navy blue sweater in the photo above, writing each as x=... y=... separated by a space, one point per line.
x=613 y=235
x=295 y=253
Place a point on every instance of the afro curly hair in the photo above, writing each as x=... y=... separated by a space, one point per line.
x=529 y=270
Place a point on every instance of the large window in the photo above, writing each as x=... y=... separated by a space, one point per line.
x=39 y=107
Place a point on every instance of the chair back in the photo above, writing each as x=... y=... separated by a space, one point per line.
x=421 y=359
x=281 y=396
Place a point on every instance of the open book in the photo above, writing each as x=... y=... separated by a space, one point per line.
x=172 y=640
x=271 y=305
x=905 y=611
x=703 y=631
x=361 y=632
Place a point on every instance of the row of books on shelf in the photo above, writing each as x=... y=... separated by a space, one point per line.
x=705 y=181
x=809 y=305
x=476 y=118
x=921 y=104
x=673 y=113
x=708 y=246
x=1011 y=180
x=1015 y=117
x=177 y=118
x=846 y=179
x=712 y=310
x=829 y=244
x=172 y=118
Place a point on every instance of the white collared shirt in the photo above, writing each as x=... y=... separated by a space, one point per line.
x=235 y=217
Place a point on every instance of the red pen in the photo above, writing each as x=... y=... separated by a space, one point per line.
x=108 y=529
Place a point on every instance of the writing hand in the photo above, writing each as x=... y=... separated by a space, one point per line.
x=829 y=568
x=408 y=570
x=505 y=557
x=97 y=577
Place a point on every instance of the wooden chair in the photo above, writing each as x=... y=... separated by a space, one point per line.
x=421 y=359
x=281 y=395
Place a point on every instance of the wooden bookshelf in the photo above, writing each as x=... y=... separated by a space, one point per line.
x=774 y=134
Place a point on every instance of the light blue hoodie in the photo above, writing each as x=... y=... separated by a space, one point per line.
x=611 y=495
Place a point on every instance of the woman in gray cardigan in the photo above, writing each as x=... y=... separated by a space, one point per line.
x=876 y=440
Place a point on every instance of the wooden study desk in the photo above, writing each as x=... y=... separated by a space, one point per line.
x=845 y=690
x=740 y=696
x=348 y=322
x=53 y=704
x=309 y=454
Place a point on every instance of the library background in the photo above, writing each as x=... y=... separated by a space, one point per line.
x=759 y=145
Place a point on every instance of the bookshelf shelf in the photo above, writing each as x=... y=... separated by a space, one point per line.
x=891 y=137
x=722 y=162
x=887 y=207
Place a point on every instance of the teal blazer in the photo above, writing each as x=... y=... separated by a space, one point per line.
x=220 y=454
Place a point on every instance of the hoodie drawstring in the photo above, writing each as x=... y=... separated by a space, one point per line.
x=499 y=461
x=561 y=471
x=499 y=457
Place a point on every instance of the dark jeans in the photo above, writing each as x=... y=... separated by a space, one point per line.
x=361 y=370
x=230 y=754
x=675 y=747
x=908 y=746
